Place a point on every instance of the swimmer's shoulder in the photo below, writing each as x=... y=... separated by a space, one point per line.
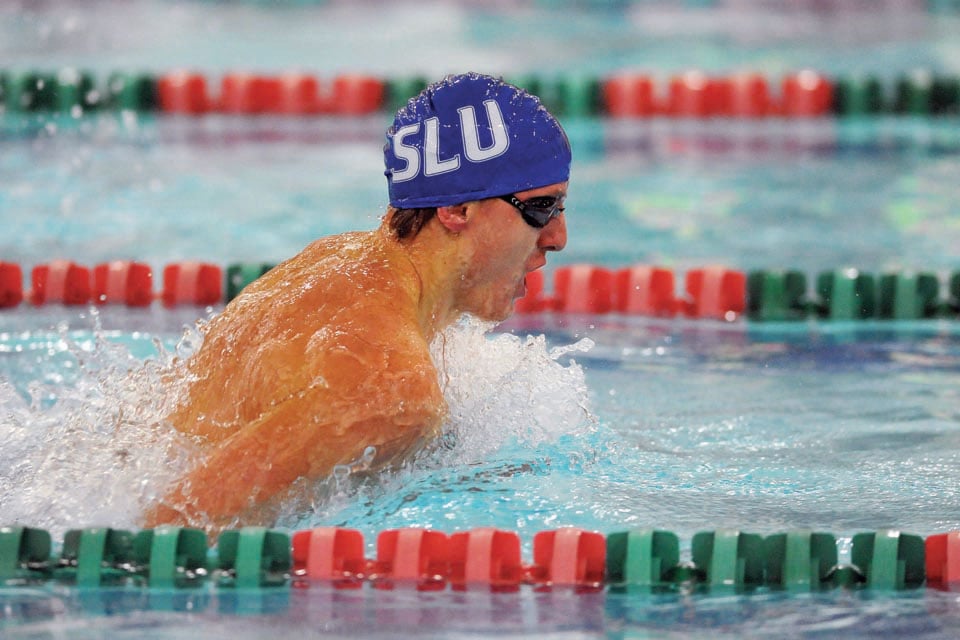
x=329 y=258
x=355 y=246
x=335 y=274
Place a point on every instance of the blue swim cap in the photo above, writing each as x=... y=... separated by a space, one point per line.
x=470 y=137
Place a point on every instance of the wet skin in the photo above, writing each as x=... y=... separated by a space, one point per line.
x=328 y=354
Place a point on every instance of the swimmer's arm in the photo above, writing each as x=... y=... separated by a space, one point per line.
x=255 y=464
x=302 y=437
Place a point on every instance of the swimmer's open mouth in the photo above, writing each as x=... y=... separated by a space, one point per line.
x=521 y=287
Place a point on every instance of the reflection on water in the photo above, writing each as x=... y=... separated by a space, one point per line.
x=675 y=424
x=81 y=409
x=925 y=614
x=814 y=196
x=685 y=426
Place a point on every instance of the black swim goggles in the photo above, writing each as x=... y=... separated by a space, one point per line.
x=536 y=212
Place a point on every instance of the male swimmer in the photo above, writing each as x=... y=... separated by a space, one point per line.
x=328 y=353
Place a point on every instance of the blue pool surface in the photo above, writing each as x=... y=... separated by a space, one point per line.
x=686 y=425
x=311 y=614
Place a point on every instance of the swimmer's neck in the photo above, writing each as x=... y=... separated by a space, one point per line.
x=438 y=262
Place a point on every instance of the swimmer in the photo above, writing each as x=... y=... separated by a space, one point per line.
x=328 y=353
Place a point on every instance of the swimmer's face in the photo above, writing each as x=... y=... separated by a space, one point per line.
x=506 y=249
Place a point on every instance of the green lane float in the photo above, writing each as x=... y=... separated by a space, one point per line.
x=709 y=293
x=400 y=90
x=96 y=557
x=619 y=94
x=846 y=294
x=953 y=292
x=242 y=274
x=569 y=95
x=642 y=558
x=858 y=96
x=74 y=92
x=913 y=93
x=253 y=557
x=800 y=560
x=908 y=296
x=776 y=296
x=568 y=558
x=729 y=559
x=889 y=559
x=24 y=553
x=945 y=95
x=174 y=557
x=26 y=91
x=135 y=92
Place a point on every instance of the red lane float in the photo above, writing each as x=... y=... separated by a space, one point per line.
x=487 y=559
x=330 y=554
x=629 y=96
x=644 y=290
x=60 y=281
x=11 y=285
x=192 y=283
x=749 y=96
x=568 y=557
x=123 y=282
x=716 y=292
x=353 y=95
x=412 y=557
x=688 y=95
x=719 y=97
x=695 y=95
x=249 y=94
x=238 y=93
x=943 y=560
x=807 y=94
x=583 y=288
x=183 y=92
x=299 y=94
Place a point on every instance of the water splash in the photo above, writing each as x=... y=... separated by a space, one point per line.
x=501 y=388
x=515 y=408
x=93 y=447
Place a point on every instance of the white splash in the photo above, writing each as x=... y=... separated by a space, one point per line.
x=95 y=450
x=502 y=392
x=500 y=388
x=92 y=452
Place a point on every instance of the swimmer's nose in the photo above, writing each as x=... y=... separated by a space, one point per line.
x=553 y=237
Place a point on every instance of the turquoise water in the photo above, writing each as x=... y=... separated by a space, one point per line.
x=877 y=194
x=344 y=614
x=689 y=426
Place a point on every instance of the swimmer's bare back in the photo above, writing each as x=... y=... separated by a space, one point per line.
x=313 y=363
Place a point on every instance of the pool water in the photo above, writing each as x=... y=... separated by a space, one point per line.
x=310 y=613
x=606 y=422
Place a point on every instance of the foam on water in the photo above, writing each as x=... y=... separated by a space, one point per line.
x=503 y=393
x=97 y=449
x=94 y=451
x=499 y=387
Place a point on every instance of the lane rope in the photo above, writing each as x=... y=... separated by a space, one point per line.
x=693 y=94
x=484 y=558
x=708 y=293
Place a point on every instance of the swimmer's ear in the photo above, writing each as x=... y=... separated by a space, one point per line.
x=454 y=217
